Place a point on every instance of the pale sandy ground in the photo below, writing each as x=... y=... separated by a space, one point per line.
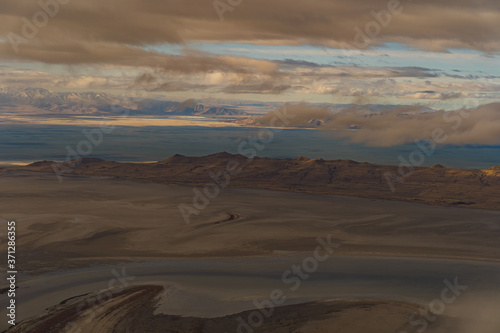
x=87 y=221
x=132 y=311
x=116 y=121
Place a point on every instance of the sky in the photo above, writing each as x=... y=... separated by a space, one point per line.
x=440 y=54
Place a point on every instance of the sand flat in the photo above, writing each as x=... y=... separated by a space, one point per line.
x=72 y=235
x=98 y=218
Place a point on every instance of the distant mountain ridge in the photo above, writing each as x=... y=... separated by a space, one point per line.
x=435 y=185
x=63 y=102
x=101 y=103
x=190 y=107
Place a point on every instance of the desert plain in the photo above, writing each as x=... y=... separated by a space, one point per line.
x=104 y=254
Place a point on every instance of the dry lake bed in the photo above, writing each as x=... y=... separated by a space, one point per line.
x=121 y=253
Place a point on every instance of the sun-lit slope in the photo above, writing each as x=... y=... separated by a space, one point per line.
x=435 y=185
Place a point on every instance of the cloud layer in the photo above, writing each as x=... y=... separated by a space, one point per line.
x=128 y=35
x=106 y=31
x=399 y=125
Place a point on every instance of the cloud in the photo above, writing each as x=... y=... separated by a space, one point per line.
x=233 y=75
x=386 y=127
x=120 y=33
x=435 y=95
x=22 y=79
x=106 y=31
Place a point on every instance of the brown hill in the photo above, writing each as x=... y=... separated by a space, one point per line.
x=435 y=185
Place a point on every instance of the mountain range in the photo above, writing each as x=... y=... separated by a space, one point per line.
x=42 y=101
x=190 y=107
